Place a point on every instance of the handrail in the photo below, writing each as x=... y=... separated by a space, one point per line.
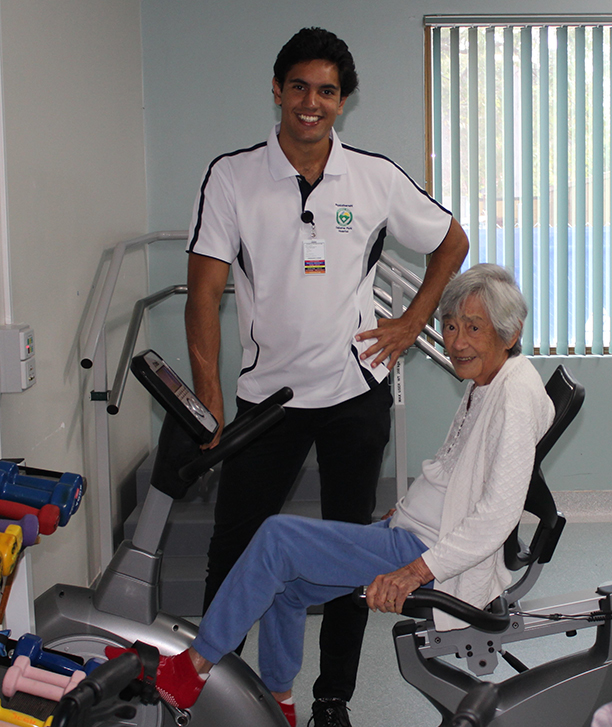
x=387 y=298
x=388 y=267
x=123 y=367
x=116 y=394
x=389 y=264
x=130 y=341
x=108 y=288
x=402 y=280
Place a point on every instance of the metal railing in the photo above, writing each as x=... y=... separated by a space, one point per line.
x=116 y=393
x=389 y=304
x=98 y=321
x=94 y=357
x=392 y=270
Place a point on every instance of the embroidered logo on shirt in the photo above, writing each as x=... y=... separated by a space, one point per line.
x=344 y=217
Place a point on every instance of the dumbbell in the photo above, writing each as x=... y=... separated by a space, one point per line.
x=10 y=717
x=23 y=677
x=91 y=664
x=43 y=480
x=38 y=491
x=28 y=525
x=48 y=516
x=71 y=483
x=10 y=545
x=31 y=646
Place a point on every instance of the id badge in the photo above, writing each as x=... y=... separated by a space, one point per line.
x=314 y=257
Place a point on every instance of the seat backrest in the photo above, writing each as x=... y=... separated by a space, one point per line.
x=567 y=396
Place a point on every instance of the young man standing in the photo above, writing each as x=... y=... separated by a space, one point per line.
x=302 y=219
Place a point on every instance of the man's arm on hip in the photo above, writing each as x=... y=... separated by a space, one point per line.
x=395 y=335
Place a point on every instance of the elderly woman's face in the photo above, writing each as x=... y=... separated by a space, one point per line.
x=475 y=349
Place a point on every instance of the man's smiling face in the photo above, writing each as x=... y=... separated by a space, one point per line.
x=310 y=102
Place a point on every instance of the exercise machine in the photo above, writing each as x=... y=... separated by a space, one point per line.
x=124 y=605
x=564 y=692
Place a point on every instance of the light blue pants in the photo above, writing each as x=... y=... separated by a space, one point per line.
x=292 y=563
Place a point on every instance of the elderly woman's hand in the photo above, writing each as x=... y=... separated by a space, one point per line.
x=388 y=592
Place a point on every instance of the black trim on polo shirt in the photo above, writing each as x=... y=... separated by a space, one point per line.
x=196 y=229
x=377 y=249
x=397 y=166
x=252 y=366
x=370 y=380
x=240 y=259
x=306 y=187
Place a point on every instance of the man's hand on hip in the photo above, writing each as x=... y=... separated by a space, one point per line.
x=392 y=337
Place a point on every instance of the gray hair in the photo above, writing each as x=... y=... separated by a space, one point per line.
x=499 y=294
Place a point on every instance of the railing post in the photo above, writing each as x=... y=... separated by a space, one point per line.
x=399 y=409
x=103 y=468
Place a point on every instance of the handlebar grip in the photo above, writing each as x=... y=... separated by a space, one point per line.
x=494 y=621
x=104 y=682
x=477 y=708
x=231 y=443
x=282 y=396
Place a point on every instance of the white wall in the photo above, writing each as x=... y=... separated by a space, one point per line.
x=207 y=71
x=76 y=185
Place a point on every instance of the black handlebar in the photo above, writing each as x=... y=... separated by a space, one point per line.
x=180 y=461
x=106 y=681
x=477 y=708
x=282 y=396
x=239 y=433
x=229 y=443
x=493 y=621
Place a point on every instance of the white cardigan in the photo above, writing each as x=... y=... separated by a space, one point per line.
x=487 y=489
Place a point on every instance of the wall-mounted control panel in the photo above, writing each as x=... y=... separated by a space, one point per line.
x=17 y=362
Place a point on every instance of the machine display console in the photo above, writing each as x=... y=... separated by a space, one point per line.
x=174 y=395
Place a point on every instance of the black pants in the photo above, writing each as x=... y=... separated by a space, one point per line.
x=350 y=438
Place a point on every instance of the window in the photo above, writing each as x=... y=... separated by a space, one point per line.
x=519 y=117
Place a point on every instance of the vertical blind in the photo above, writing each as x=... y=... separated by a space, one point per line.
x=519 y=143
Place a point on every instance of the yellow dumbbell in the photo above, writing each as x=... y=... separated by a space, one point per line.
x=11 y=541
x=11 y=717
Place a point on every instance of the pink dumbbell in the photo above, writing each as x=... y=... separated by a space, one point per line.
x=23 y=677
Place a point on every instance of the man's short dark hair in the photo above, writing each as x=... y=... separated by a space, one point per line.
x=310 y=44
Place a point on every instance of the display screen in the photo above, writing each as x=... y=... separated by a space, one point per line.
x=169 y=378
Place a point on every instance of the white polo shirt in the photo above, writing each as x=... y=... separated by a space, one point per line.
x=301 y=300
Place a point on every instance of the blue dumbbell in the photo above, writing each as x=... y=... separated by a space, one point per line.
x=92 y=664
x=40 y=481
x=31 y=646
x=66 y=492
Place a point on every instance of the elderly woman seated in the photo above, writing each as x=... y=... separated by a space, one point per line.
x=449 y=529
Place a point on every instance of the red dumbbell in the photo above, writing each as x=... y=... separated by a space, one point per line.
x=48 y=515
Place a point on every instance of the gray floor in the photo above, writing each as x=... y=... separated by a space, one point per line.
x=582 y=561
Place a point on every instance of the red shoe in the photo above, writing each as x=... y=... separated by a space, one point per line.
x=178 y=683
x=289 y=712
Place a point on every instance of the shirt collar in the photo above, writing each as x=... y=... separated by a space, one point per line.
x=281 y=168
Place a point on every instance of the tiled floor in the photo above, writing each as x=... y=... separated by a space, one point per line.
x=583 y=561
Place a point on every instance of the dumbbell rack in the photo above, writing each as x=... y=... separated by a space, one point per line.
x=33 y=502
x=19 y=614
x=36 y=491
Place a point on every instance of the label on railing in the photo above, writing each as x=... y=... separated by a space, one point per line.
x=398 y=382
